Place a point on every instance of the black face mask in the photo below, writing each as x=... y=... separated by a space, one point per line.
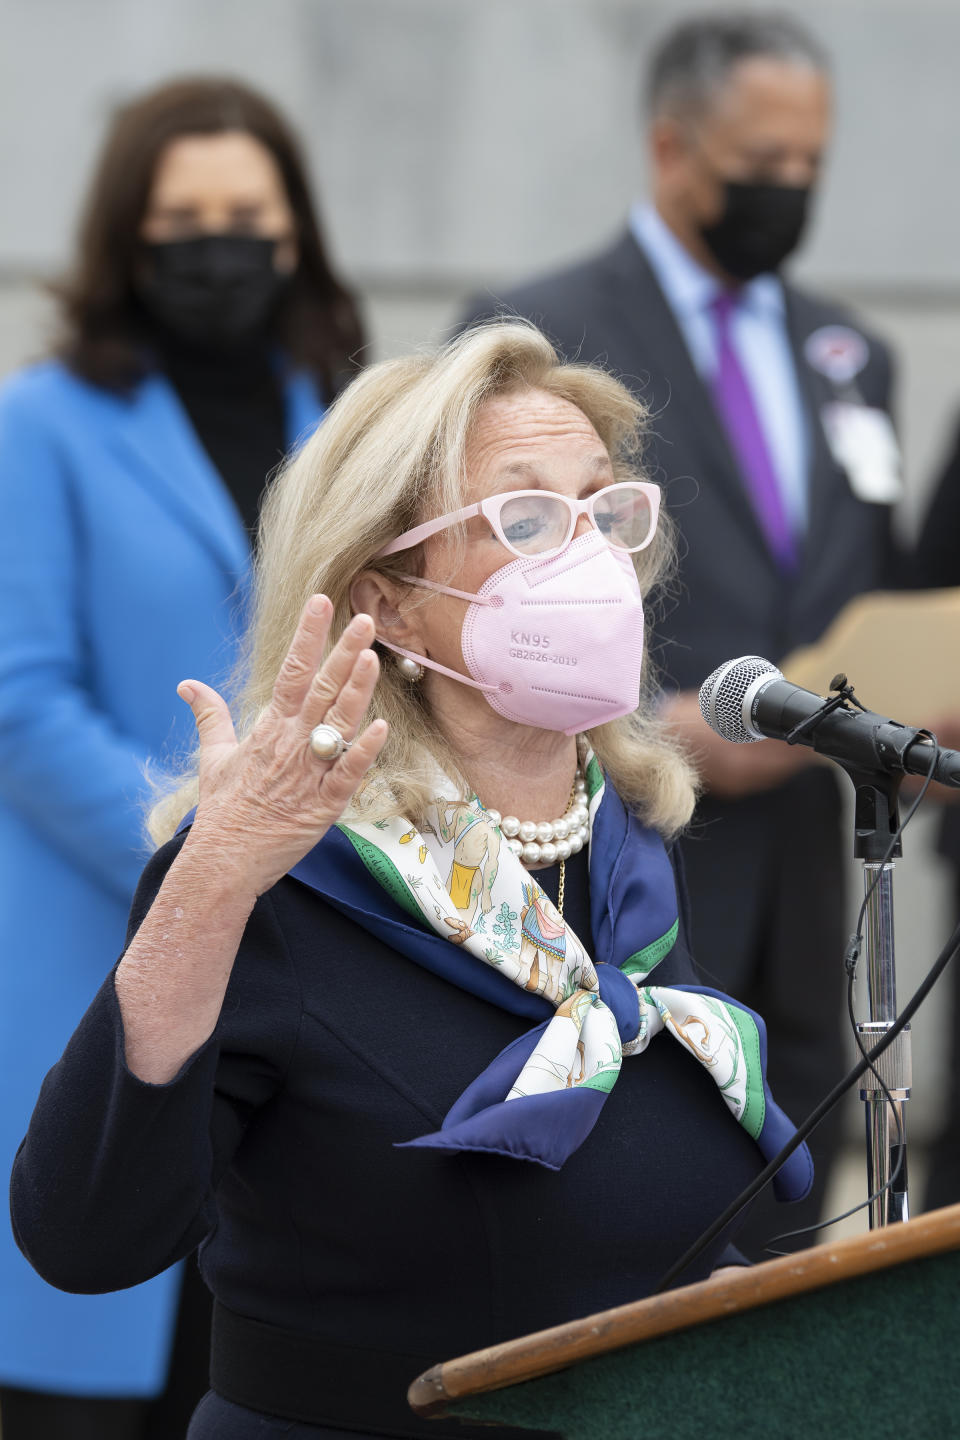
x=760 y=225
x=213 y=291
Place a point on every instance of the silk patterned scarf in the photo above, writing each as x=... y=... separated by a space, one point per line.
x=452 y=897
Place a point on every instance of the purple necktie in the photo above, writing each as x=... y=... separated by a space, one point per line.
x=734 y=402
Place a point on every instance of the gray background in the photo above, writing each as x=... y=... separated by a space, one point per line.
x=458 y=144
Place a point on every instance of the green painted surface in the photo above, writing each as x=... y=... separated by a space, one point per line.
x=871 y=1359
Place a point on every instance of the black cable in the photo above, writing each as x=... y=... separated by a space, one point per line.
x=836 y=702
x=847 y=1081
x=814 y=1118
x=861 y=1204
x=853 y=954
x=850 y=964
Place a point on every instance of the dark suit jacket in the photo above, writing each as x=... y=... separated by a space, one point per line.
x=936 y=558
x=936 y=562
x=733 y=599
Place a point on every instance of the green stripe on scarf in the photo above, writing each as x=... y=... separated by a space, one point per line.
x=384 y=871
x=646 y=959
x=755 y=1105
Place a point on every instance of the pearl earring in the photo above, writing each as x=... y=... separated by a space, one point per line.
x=410 y=669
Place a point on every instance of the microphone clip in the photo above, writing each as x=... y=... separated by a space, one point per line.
x=842 y=699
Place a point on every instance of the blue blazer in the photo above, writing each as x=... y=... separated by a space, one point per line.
x=124 y=568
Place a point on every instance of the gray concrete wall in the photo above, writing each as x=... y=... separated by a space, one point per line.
x=461 y=143
x=458 y=144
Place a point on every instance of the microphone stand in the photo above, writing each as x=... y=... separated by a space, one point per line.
x=876 y=819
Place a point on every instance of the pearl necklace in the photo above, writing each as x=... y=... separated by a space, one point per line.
x=544 y=842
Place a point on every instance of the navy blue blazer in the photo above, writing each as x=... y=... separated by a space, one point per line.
x=124 y=568
x=341 y=1265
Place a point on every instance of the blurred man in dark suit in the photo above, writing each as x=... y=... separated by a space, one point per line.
x=771 y=434
x=935 y=564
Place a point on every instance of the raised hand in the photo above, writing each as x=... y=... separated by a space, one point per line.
x=266 y=800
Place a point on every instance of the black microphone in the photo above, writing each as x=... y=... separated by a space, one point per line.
x=750 y=699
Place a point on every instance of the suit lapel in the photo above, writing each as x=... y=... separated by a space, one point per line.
x=680 y=402
x=815 y=392
x=169 y=459
x=305 y=408
x=166 y=456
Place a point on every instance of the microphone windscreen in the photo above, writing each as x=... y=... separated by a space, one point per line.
x=723 y=693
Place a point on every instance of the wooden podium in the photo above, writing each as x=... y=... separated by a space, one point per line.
x=857 y=1338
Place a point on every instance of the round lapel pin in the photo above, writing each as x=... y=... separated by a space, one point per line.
x=837 y=352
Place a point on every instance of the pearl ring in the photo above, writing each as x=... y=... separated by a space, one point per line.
x=327 y=743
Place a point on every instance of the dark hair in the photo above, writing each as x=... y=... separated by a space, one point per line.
x=106 y=332
x=694 y=60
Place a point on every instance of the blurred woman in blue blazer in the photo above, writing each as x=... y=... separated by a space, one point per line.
x=204 y=331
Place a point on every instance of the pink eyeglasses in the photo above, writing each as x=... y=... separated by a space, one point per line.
x=540 y=522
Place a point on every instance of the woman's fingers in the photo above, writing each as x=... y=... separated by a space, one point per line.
x=354 y=696
x=337 y=671
x=210 y=711
x=302 y=659
x=343 y=778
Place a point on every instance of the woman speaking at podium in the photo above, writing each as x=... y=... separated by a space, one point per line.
x=406 y=1036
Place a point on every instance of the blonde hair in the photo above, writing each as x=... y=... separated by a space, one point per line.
x=390 y=453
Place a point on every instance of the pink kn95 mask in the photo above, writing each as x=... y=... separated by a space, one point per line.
x=554 y=643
